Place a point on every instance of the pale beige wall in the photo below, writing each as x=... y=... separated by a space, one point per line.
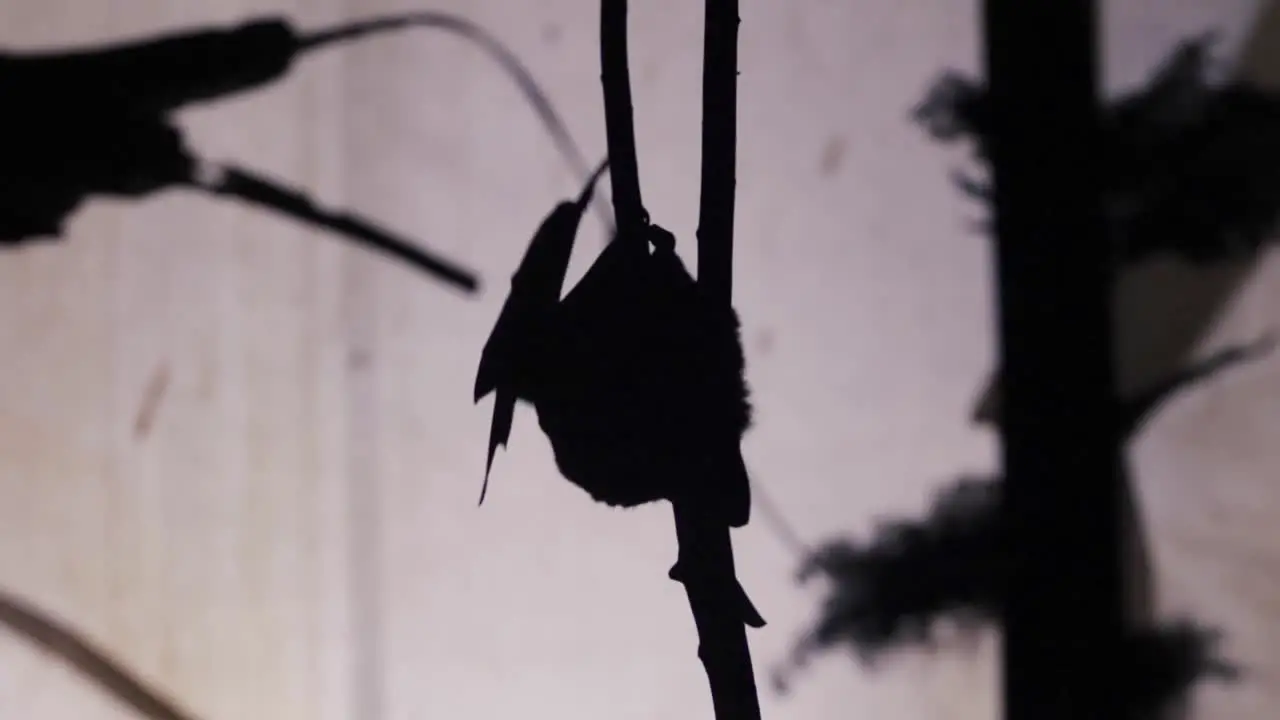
x=296 y=535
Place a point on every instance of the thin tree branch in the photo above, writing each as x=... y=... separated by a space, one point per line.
x=709 y=577
x=719 y=149
x=624 y=170
x=711 y=583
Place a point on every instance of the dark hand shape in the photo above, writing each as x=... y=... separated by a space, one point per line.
x=95 y=122
x=636 y=380
x=52 y=162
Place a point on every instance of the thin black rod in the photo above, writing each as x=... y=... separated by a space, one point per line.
x=251 y=187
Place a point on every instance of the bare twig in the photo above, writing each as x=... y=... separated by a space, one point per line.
x=711 y=583
x=624 y=171
x=719 y=149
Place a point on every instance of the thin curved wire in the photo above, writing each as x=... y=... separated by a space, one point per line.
x=529 y=86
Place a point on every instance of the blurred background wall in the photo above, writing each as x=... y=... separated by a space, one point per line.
x=245 y=460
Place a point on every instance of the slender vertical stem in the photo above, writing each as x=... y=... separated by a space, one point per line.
x=705 y=565
x=711 y=583
x=624 y=170
x=1064 y=600
x=709 y=576
x=719 y=149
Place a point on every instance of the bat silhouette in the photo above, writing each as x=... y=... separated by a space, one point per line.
x=892 y=591
x=637 y=380
x=94 y=122
x=600 y=366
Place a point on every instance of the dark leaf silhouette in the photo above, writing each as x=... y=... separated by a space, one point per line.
x=890 y=592
x=1192 y=166
x=893 y=591
x=1167 y=660
x=95 y=122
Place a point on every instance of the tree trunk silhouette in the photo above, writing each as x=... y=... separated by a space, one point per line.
x=1063 y=605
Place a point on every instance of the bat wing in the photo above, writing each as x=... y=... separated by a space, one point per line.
x=504 y=411
x=495 y=358
x=535 y=288
x=535 y=291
